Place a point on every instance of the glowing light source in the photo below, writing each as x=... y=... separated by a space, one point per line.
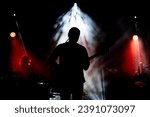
x=135 y=37
x=76 y=18
x=12 y=34
x=135 y=17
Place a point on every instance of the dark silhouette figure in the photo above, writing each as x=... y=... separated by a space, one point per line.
x=69 y=59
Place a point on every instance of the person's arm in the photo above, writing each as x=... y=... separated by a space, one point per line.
x=53 y=57
x=85 y=60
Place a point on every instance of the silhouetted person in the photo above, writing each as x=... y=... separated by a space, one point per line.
x=73 y=59
x=25 y=62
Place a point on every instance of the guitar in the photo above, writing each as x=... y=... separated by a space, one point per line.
x=93 y=56
x=56 y=75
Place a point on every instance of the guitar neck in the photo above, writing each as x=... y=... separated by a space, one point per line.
x=93 y=56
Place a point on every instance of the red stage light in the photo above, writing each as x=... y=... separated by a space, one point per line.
x=12 y=34
x=135 y=37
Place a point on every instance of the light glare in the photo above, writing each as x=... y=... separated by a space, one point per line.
x=12 y=34
x=135 y=37
x=135 y=17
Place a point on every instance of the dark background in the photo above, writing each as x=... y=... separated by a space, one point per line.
x=36 y=20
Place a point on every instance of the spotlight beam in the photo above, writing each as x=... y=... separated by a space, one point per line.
x=90 y=37
x=19 y=34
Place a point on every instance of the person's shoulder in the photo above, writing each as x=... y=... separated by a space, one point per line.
x=61 y=45
x=81 y=46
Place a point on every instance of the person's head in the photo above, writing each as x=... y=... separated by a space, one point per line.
x=25 y=61
x=73 y=34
